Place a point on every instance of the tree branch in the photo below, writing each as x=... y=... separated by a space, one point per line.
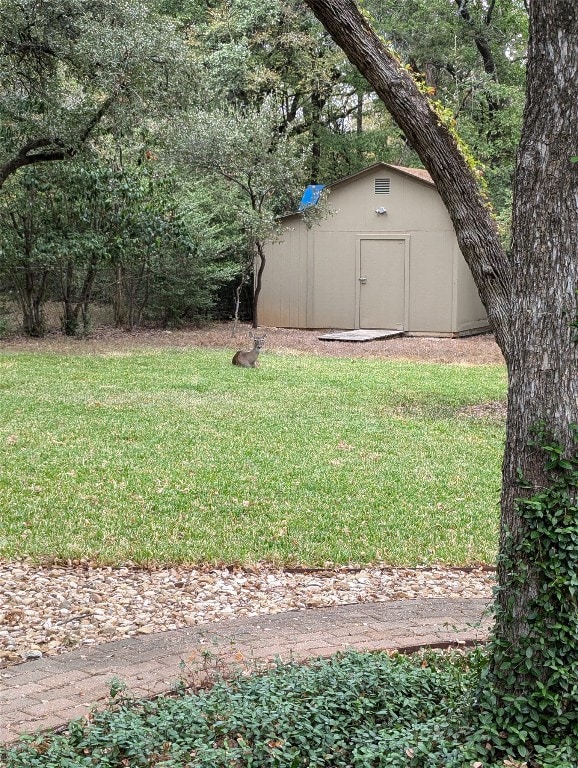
x=54 y=149
x=481 y=42
x=438 y=150
x=490 y=13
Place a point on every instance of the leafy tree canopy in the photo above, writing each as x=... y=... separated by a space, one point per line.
x=70 y=67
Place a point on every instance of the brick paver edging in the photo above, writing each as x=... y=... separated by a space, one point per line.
x=49 y=692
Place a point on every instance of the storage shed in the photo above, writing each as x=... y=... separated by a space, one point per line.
x=387 y=258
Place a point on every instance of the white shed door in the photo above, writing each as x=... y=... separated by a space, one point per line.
x=382 y=283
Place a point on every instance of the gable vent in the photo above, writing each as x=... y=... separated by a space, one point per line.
x=382 y=186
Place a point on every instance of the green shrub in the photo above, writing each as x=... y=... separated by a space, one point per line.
x=351 y=711
x=357 y=710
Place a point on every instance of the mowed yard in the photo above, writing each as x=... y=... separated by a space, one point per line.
x=173 y=455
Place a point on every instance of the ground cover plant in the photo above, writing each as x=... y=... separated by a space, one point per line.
x=178 y=456
x=351 y=711
x=356 y=710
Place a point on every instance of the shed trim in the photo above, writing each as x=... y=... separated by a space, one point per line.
x=417 y=174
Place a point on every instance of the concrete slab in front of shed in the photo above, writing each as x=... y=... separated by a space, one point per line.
x=361 y=334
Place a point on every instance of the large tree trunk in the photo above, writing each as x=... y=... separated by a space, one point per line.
x=531 y=302
x=542 y=365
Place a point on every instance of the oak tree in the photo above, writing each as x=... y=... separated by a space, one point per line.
x=70 y=67
x=530 y=293
x=258 y=171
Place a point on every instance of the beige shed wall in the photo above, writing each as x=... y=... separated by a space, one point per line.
x=283 y=300
x=411 y=206
x=333 y=279
x=312 y=278
x=470 y=312
x=432 y=286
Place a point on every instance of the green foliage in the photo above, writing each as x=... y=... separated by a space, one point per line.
x=470 y=57
x=86 y=82
x=4 y=324
x=353 y=711
x=120 y=231
x=178 y=456
x=159 y=268
x=71 y=68
x=277 y=52
x=260 y=171
x=255 y=50
x=28 y=247
x=540 y=720
x=242 y=147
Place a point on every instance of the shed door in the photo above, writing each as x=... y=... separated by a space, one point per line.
x=382 y=283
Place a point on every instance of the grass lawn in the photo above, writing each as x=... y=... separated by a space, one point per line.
x=178 y=456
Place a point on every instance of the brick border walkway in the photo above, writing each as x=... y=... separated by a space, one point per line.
x=49 y=692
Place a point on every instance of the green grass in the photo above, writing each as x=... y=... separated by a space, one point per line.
x=179 y=456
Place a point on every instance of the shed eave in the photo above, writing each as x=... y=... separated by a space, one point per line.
x=415 y=174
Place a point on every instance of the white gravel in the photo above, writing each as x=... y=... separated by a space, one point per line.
x=45 y=610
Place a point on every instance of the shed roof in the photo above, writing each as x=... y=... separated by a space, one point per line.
x=419 y=173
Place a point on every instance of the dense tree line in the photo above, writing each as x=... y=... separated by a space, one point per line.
x=147 y=147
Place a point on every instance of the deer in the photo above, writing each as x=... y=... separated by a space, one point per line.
x=249 y=359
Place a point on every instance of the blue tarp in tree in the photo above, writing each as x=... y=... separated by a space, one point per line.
x=311 y=196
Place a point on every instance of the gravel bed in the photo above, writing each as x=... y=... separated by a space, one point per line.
x=48 y=609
